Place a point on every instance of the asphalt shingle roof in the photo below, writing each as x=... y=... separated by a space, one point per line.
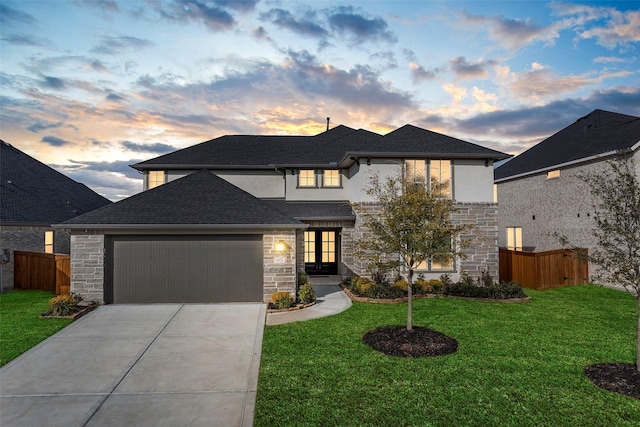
x=314 y=210
x=200 y=198
x=598 y=133
x=326 y=148
x=33 y=193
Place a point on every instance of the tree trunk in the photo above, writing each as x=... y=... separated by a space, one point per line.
x=410 y=301
x=638 y=339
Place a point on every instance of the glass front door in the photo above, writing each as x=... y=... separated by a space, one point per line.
x=320 y=256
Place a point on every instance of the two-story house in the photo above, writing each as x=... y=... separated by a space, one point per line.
x=541 y=193
x=235 y=218
x=34 y=196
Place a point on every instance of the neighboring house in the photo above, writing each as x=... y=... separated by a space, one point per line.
x=540 y=192
x=32 y=198
x=235 y=218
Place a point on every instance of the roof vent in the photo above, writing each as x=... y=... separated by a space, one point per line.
x=328 y=120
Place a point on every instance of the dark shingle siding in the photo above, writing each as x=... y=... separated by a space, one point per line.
x=199 y=198
x=598 y=133
x=33 y=193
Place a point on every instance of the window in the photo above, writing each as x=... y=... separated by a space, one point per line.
x=495 y=193
x=415 y=171
x=156 y=178
x=48 y=242
x=553 y=174
x=331 y=178
x=440 y=174
x=514 y=238
x=307 y=178
x=328 y=246
x=439 y=263
x=309 y=246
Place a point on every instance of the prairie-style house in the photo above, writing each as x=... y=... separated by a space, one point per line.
x=235 y=218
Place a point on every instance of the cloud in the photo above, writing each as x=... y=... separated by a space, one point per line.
x=346 y=21
x=419 y=74
x=104 y=5
x=608 y=60
x=110 y=45
x=513 y=33
x=305 y=25
x=54 y=141
x=114 y=97
x=53 y=82
x=26 y=40
x=148 y=148
x=40 y=126
x=9 y=15
x=242 y=5
x=610 y=27
x=114 y=180
x=470 y=70
x=213 y=17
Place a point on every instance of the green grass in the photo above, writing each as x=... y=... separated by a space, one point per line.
x=20 y=325
x=517 y=364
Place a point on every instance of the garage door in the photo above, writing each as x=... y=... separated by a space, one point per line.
x=184 y=269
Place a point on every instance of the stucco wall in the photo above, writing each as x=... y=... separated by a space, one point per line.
x=30 y=239
x=260 y=183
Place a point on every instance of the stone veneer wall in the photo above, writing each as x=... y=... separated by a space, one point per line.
x=87 y=266
x=28 y=238
x=481 y=256
x=280 y=273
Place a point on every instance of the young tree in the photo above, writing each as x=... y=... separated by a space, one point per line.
x=617 y=229
x=411 y=224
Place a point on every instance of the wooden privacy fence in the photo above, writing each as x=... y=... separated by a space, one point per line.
x=543 y=270
x=40 y=271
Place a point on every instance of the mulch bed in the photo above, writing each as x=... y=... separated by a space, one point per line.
x=621 y=378
x=79 y=311
x=419 y=342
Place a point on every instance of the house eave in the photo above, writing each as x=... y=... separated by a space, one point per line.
x=183 y=227
x=571 y=163
x=350 y=157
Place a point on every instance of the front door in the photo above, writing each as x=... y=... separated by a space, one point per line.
x=320 y=256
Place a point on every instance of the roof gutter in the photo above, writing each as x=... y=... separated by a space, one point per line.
x=350 y=156
x=571 y=163
x=186 y=227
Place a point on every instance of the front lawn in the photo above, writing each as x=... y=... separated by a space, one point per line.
x=517 y=364
x=20 y=325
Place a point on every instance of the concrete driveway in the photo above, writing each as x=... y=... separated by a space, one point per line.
x=142 y=365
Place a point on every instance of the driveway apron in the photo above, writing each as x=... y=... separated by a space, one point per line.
x=143 y=365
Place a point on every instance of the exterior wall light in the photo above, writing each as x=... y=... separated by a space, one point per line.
x=281 y=246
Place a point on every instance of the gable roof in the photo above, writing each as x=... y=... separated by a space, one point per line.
x=600 y=133
x=33 y=193
x=331 y=148
x=199 y=199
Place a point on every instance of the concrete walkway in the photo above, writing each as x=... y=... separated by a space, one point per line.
x=142 y=365
x=330 y=299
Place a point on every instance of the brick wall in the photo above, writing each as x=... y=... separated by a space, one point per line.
x=87 y=266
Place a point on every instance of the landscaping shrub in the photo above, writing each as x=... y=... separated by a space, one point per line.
x=282 y=299
x=504 y=290
x=306 y=293
x=401 y=284
x=302 y=278
x=64 y=305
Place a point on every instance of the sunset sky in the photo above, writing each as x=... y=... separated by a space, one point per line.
x=90 y=87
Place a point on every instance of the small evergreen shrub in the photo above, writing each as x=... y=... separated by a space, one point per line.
x=282 y=299
x=306 y=294
x=401 y=284
x=302 y=278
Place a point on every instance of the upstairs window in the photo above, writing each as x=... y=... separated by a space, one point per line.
x=331 y=178
x=514 y=238
x=48 y=242
x=440 y=174
x=307 y=178
x=156 y=178
x=415 y=171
